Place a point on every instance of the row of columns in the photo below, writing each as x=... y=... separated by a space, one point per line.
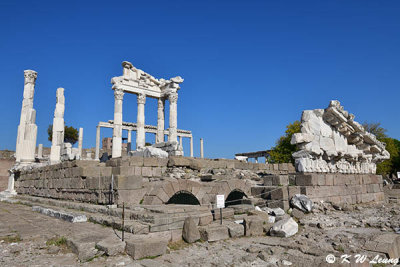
x=97 y=152
x=140 y=135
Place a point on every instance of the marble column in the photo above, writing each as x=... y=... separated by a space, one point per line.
x=58 y=128
x=80 y=141
x=40 y=151
x=97 y=155
x=129 y=136
x=201 y=148
x=191 y=146
x=117 y=130
x=256 y=160
x=173 y=118
x=180 y=142
x=140 y=133
x=160 y=121
x=27 y=129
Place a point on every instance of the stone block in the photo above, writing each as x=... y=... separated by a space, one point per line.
x=306 y=179
x=253 y=226
x=280 y=180
x=136 y=161
x=268 y=180
x=84 y=246
x=205 y=219
x=179 y=162
x=111 y=246
x=150 y=162
x=212 y=233
x=147 y=172
x=156 y=172
x=226 y=213
x=128 y=182
x=146 y=246
x=235 y=229
x=280 y=193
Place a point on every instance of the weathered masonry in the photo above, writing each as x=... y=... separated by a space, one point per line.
x=181 y=180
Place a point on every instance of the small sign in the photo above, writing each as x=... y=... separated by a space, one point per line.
x=398 y=175
x=220 y=201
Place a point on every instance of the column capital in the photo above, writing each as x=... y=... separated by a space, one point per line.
x=119 y=94
x=30 y=76
x=141 y=99
x=173 y=97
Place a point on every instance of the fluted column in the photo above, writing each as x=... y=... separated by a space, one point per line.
x=160 y=121
x=97 y=155
x=129 y=136
x=27 y=129
x=140 y=133
x=117 y=130
x=173 y=118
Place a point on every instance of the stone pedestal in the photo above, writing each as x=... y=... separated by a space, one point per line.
x=27 y=129
x=117 y=131
x=140 y=134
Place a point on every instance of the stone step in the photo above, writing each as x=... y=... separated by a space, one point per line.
x=60 y=214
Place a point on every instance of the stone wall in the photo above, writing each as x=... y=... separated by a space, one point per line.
x=335 y=188
x=140 y=180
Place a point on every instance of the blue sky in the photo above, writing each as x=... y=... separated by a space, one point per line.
x=250 y=67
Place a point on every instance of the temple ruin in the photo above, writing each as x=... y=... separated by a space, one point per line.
x=336 y=163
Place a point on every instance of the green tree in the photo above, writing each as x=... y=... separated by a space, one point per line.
x=391 y=165
x=376 y=129
x=71 y=134
x=282 y=152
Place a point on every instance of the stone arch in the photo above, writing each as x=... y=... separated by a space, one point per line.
x=234 y=197
x=183 y=197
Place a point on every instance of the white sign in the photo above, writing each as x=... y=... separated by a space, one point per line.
x=220 y=201
x=398 y=175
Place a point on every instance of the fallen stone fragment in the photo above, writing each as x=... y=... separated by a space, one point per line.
x=298 y=214
x=301 y=202
x=142 y=246
x=214 y=232
x=84 y=247
x=254 y=226
x=190 y=233
x=111 y=246
x=278 y=212
x=284 y=228
x=235 y=230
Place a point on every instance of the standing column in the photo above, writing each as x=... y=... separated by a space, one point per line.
x=201 y=148
x=80 y=141
x=180 y=142
x=40 y=151
x=256 y=159
x=140 y=133
x=27 y=129
x=117 y=130
x=160 y=121
x=129 y=136
x=191 y=146
x=57 y=140
x=97 y=155
x=173 y=119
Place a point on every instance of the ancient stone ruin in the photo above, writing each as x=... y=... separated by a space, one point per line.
x=332 y=142
x=159 y=188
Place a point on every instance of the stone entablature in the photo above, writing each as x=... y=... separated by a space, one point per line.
x=136 y=81
x=332 y=142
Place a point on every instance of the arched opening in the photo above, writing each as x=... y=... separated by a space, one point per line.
x=234 y=198
x=183 y=197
